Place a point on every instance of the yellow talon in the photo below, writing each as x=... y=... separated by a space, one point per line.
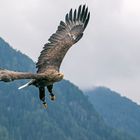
x=52 y=97
x=45 y=105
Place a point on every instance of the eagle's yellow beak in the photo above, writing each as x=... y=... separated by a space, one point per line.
x=61 y=75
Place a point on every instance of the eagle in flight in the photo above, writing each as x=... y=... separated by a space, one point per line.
x=49 y=61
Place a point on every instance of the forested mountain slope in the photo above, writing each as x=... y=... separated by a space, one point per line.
x=118 y=112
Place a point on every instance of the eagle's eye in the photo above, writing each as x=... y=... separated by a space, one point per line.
x=61 y=75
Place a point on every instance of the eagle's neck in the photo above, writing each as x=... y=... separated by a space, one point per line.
x=54 y=76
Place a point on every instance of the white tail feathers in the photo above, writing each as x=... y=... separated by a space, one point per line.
x=26 y=85
x=21 y=87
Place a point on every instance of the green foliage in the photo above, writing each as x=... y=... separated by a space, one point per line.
x=118 y=112
x=3 y=133
x=70 y=117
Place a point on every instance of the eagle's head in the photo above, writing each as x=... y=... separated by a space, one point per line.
x=60 y=76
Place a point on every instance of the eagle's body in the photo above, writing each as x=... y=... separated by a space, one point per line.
x=53 y=76
x=49 y=61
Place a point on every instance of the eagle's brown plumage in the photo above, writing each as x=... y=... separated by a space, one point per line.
x=49 y=61
x=67 y=34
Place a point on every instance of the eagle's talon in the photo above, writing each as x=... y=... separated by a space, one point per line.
x=52 y=97
x=45 y=105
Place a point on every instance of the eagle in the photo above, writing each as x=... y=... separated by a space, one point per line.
x=68 y=33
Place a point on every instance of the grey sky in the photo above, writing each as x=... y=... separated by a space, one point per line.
x=107 y=55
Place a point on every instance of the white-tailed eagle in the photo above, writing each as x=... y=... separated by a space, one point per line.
x=49 y=61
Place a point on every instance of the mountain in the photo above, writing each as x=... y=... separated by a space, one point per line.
x=118 y=112
x=70 y=117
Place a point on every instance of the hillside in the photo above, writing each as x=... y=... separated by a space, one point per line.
x=118 y=112
x=70 y=117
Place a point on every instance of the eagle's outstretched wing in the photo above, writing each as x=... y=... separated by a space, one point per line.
x=67 y=34
x=8 y=75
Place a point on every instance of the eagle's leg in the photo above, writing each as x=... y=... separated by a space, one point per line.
x=42 y=96
x=52 y=96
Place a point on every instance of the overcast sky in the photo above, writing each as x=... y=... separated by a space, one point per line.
x=107 y=55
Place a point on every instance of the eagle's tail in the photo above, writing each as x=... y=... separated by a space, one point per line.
x=26 y=85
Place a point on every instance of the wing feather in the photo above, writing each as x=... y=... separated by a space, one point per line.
x=79 y=12
x=70 y=15
x=82 y=13
x=67 y=19
x=74 y=17
x=67 y=34
x=85 y=14
x=86 y=21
